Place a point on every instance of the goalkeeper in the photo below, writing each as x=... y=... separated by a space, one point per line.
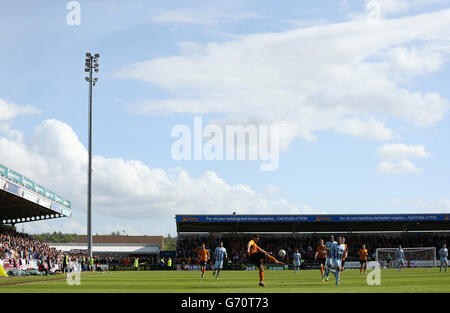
x=388 y=260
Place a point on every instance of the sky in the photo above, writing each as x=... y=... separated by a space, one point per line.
x=357 y=91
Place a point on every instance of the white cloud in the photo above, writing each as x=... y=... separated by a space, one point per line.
x=329 y=77
x=370 y=129
x=412 y=61
x=403 y=166
x=10 y=110
x=126 y=190
x=155 y=193
x=5 y=128
x=402 y=151
x=272 y=190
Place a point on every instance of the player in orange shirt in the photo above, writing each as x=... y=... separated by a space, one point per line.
x=321 y=254
x=257 y=256
x=363 y=258
x=203 y=255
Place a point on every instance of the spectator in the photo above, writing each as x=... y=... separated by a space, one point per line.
x=42 y=268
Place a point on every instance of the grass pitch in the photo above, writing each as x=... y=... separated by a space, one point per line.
x=392 y=281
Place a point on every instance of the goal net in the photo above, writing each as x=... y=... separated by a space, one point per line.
x=413 y=257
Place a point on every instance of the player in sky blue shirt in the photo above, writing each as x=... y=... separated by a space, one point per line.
x=443 y=253
x=297 y=260
x=341 y=254
x=400 y=258
x=329 y=261
x=337 y=252
x=330 y=246
x=220 y=254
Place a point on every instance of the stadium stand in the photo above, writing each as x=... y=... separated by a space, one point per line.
x=188 y=244
x=303 y=232
x=21 y=252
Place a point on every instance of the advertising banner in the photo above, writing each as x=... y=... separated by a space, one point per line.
x=420 y=263
x=44 y=202
x=14 y=176
x=30 y=196
x=29 y=266
x=275 y=267
x=66 y=212
x=67 y=203
x=40 y=190
x=188 y=268
x=50 y=195
x=3 y=171
x=10 y=266
x=267 y=267
x=312 y=218
x=56 y=208
x=7 y=266
x=12 y=188
x=58 y=199
x=352 y=264
x=29 y=184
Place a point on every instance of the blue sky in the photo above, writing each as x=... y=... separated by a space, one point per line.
x=363 y=108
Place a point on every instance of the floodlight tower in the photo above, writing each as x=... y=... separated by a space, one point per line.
x=91 y=66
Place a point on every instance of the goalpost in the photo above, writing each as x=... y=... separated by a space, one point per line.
x=413 y=257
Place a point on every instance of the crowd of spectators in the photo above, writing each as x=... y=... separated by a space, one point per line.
x=236 y=244
x=20 y=249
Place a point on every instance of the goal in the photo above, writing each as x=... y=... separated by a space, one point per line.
x=413 y=257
